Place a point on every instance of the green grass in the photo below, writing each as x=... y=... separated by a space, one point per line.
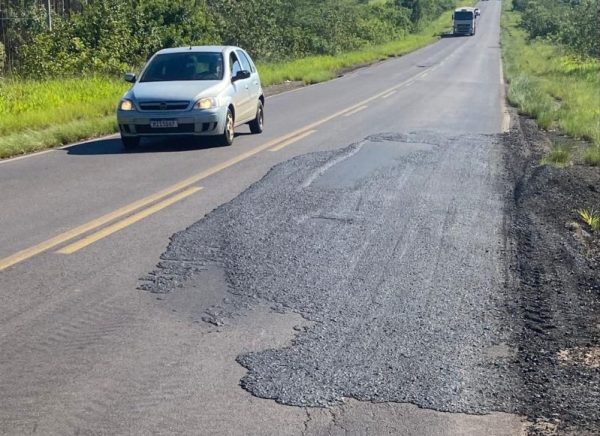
x=36 y=115
x=560 y=156
x=29 y=104
x=39 y=115
x=31 y=140
x=592 y=156
x=558 y=90
x=591 y=218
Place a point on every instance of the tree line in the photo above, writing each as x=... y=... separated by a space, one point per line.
x=574 y=24
x=112 y=36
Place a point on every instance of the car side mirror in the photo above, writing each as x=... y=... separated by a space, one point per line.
x=130 y=77
x=241 y=75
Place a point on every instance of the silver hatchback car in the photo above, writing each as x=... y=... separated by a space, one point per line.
x=192 y=91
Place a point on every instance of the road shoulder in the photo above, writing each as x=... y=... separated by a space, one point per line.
x=556 y=278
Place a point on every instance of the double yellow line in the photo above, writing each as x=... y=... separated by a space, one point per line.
x=185 y=186
x=72 y=248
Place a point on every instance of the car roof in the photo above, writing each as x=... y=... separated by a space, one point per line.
x=466 y=9
x=198 y=48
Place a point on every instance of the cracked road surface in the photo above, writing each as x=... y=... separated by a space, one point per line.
x=359 y=267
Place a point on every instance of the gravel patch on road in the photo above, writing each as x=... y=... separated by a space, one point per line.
x=436 y=270
x=394 y=248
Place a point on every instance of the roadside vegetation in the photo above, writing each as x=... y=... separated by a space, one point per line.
x=314 y=69
x=62 y=85
x=550 y=52
x=592 y=156
x=39 y=114
x=551 y=58
x=591 y=218
x=560 y=156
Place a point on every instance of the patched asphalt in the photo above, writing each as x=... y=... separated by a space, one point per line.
x=394 y=247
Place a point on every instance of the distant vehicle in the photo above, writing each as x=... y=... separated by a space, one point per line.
x=192 y=91
x=465 y=21
x=477 y=12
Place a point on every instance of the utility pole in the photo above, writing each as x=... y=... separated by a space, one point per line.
x=49 y=15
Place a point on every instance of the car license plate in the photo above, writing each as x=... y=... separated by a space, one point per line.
x=163 y=124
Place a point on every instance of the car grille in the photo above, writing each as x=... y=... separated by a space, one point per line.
x=463 y=28
x=164 y=105
x=182 y=128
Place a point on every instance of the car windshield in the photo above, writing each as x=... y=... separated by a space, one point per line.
x=463 y=15
x=184 y=66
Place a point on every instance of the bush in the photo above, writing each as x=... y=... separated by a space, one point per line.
x=276 y=30
x=547 y=82
x=423 y=11
x=542 y=19
x=581 y=31
x=572 y=23
x=111 y=36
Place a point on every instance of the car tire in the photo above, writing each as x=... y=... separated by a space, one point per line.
x=226 y=138
x=130 y=142
x=257 y=124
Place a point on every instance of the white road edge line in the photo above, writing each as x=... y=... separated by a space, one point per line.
x=506 y=121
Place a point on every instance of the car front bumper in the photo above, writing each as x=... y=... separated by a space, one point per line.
x=189 y=123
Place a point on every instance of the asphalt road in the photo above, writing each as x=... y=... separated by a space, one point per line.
x=368 y=267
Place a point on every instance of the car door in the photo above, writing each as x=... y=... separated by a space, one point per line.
x=254 y=80
x=241 y=96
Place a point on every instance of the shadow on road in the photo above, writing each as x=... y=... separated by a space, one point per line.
x=450 y=35
x=147 y=145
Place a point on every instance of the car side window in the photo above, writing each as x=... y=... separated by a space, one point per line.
x=246 y=65
x=251 y=62
x=234 y=64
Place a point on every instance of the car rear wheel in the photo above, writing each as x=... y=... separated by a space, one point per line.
x=256 y=125
x=130 y=142
x=226 y=138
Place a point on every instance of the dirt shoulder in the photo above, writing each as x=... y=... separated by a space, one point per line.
x=556 y=276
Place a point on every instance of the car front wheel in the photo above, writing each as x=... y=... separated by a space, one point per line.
x=256 y=125
x=226 y=138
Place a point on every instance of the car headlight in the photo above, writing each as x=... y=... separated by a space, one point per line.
x=126 y=105
x=206 y=103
